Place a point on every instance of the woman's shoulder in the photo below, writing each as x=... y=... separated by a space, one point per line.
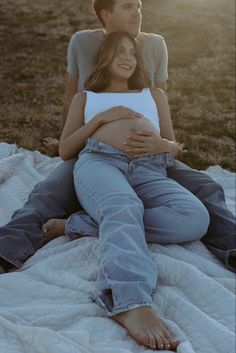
x=80 y=97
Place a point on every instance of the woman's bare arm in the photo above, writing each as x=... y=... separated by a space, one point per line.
x=166 y=127
x=148 y=142
x=75 y=132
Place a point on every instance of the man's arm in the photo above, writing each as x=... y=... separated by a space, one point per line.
x=161 y=85
x=161 y=70
x=71 y=90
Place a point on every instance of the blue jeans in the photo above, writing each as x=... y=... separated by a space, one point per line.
x=23 y=235
x=133 y=202
x=220 y=238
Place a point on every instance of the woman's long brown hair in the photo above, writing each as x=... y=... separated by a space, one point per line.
x=100 y=77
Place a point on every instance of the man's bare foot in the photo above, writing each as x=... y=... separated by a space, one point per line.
x=52 y=144
x=53 y=228
x=146 y=328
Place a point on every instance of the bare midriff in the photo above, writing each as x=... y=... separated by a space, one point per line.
x=115 y=133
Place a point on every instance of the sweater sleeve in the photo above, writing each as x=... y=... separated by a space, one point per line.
x=161 y=72
x=72 y=56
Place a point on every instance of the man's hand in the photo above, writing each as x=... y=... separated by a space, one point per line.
x=51 y=144
x=117 y=113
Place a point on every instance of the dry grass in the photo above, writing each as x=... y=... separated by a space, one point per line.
x=201 y=87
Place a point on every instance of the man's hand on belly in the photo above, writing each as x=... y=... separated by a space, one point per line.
x=144 y=143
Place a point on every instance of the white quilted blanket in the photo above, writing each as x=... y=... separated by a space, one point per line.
x=45 y=307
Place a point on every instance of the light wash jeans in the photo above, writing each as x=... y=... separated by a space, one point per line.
x=133 y=202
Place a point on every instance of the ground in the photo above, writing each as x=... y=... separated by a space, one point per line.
x=200 y=37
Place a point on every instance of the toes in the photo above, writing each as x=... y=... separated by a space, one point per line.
x=159 y=343
x=167 y=345
x=169 y=338
x=141 y=338
x=152 y=342
x=174 y=345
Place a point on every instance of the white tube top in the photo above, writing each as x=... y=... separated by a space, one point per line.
x=141 y=102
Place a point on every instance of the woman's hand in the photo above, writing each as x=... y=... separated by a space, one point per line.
x=117 y=113
x=145 y=143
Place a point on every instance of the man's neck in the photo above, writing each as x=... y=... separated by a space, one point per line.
x=108 y=31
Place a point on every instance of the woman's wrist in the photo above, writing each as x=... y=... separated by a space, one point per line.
x=99 y=119
x=167 y=145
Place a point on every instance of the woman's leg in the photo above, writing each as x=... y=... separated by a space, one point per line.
x=127 y=271
x=127 y=277
x=172 y=213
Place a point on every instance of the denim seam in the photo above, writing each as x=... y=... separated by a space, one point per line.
x=89 y=191
x=90 y=194
x=170 y=207
x=131 y=305
x=26 y=252
x=14 y=263
x=103 y=269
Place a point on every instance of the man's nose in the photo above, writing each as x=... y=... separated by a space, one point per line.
x=136 y=12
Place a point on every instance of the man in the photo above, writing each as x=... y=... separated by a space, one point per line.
x=23 y=235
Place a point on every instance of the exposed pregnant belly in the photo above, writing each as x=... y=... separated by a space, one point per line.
x=115 y=133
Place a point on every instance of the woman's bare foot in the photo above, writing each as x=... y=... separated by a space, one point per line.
x=146 y=328
x=53 y=228
x=52 y=144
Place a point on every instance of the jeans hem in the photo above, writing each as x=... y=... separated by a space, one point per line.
x=228 y=254
x=121 y=308
x=17 y=264
x=27 y=252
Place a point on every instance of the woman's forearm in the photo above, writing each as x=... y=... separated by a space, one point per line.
x=70 y=146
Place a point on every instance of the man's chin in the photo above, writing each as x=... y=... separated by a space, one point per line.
x=134 y=30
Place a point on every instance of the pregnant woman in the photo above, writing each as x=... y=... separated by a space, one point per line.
x=129 y=198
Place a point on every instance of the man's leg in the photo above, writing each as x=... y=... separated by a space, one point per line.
x=221 y=237
x=53 y=197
